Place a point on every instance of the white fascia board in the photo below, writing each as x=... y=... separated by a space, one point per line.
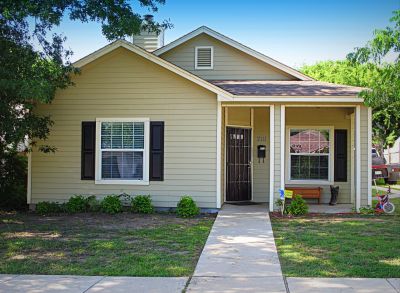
x=224 y=98
x=149 y=56
x=235 y=45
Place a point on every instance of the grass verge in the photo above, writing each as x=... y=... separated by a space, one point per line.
x=96 y=244
x=339 y=246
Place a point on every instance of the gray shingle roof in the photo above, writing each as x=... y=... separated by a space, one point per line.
x=285 y=88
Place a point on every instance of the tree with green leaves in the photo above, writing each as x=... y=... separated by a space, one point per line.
x=34 y=63
x=368 y=67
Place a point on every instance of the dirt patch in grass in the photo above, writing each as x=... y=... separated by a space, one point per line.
x=126 y=244
x=124 y=220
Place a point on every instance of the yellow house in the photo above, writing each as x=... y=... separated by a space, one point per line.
x=204 y=116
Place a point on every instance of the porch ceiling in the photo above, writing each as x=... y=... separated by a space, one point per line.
x=285 y=88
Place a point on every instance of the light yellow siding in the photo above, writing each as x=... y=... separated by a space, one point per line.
x=229 y=63
x=123 y=84
x=260 y=166
x=239 y=116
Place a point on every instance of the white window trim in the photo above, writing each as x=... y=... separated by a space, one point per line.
x=331 y=156
x=146 y=155
x=195 y=57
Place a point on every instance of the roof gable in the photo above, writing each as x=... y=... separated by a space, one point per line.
x=149 y=56
x=228 y=62
x=236 y=45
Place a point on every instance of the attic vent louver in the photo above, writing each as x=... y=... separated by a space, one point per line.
x=204 y=58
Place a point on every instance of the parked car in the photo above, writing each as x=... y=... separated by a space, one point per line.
x=394 y=173
x=379 y=167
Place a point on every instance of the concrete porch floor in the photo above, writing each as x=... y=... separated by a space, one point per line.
x=327 y=209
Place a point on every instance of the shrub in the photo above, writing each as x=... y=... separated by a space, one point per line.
x=93 y=205
x=48 y=208
x=187 y=207
x=111 y=204
x=298 y=206
x=77 y=204
x=367 y=210
x=142 y=204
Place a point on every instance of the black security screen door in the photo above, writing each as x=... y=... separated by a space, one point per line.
x=238 y=164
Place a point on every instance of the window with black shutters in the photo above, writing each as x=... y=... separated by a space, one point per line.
x=122 y=151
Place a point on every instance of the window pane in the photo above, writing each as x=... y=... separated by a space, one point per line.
x=295 y=167
x=138 y=165
x=116 y=142
x=305 y=167
x=116 y=128
x=323 y=161
x=122 y=165
x=105 y=141
x=122 y=135
x=309 y=141
x=109 y=168
x=105 y=128
x=299 y=141
x=128 y=142
x=127 y=128
x=139 y=142
x=139 y=128
x=323 y=173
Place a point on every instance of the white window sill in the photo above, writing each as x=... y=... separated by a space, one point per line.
x=309 y=182
x=123 y=182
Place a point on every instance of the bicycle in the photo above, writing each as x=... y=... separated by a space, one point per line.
x=384 y=205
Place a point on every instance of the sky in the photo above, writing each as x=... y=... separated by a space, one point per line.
x=292 y=32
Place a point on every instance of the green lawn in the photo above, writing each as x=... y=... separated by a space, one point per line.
x=339 y=246
x=120 y=245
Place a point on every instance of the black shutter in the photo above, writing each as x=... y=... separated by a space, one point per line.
x=156 y=151
x=88 y=150
x=340 y=155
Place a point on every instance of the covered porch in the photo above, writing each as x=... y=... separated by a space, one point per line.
x=266 y=147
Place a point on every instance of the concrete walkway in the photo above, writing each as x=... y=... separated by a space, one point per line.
x=240 y=254
x=80 y=284
x=343 y=285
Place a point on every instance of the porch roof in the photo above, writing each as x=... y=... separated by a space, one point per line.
x=285 y=88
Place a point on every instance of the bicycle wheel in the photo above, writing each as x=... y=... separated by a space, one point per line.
x=388 y=208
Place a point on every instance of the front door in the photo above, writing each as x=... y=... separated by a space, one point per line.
x=238 y=164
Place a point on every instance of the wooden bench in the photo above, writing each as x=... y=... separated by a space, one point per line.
x=307 y=192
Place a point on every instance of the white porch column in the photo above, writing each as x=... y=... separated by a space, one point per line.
x=271 y=156
x=283 y=126
x=358 y=157
x=218 y=173
x=369 y=148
